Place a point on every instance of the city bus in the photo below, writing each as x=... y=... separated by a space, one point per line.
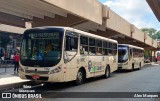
x=130 y=57
x=62 y=54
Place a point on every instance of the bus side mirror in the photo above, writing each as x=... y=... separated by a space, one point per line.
x=65 y=57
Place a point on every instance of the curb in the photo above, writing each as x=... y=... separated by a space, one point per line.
x=148 y=64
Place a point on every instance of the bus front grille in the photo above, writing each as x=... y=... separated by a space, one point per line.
x=119 y=67
x=37 y=72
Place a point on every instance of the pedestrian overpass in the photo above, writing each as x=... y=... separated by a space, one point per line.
x=86 y=15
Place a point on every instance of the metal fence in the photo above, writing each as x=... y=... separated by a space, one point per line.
x=6 y=66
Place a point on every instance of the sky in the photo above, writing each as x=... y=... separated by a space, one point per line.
x=136 y=12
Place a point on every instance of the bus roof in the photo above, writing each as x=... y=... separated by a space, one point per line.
x=132 y=46
x=78 y=31
x=95 y=36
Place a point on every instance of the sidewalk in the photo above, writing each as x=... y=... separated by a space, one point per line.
x=9 y=80
x=155 y=63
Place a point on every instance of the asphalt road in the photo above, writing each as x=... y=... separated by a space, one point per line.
x=145 y=80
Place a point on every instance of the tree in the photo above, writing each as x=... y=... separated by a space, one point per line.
x=153 y=33
x=157 y=35
x=149 y=31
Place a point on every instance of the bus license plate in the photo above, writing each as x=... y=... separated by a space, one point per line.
x=35 y=76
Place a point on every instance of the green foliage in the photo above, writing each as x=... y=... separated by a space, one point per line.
x=147 y=53
x=152 y=32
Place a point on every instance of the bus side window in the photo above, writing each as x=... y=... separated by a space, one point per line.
x=71 y=41
x=105 y=48
x=114 y=49
x=99 y=47
x=133 y=51
x=92 y=46
x=110 y=49
x=84 y=45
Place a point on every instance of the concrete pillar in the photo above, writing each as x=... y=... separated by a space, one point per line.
x=28 y=25
x=151 y=59
x=154 y=56
x=153 y=52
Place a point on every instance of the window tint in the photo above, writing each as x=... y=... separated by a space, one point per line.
x=84 y=40
x=92 y=47
x=91 y=42
x=71 y=41
x=114 y=49
x=99 y=47
x=105 y=48
x=83 y=45
x=105 y=51
x=105 y=44
x=110 y=45
x=98 y=43
x=110 y=48
x=138 y=52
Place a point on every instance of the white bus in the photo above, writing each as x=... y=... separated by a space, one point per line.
x=62 y=54
x=130 y=57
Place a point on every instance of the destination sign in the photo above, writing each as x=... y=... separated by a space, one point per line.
x=44 y=35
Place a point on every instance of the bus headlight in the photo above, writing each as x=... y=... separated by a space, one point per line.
x=21 y=69
x=56 y=70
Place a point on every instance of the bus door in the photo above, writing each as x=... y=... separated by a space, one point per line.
x=130 y=56
x=70 y=54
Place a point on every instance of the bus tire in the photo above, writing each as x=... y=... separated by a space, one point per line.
x=107 y=72
x=132 y=67
x=139 y=66
x=47 y=84
x=80 y=77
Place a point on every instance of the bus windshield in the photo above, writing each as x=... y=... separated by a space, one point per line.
x=41 y=47
x=122 y=54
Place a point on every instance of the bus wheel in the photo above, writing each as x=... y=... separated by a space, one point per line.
x=80 y=77
x=139 y=66
x=107 y=72
x=132 y=68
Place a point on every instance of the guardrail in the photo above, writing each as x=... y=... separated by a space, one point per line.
x=6 y=66
x=7 y=62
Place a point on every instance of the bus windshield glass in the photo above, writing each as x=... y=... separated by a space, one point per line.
x=122 y=54
x=41 y=47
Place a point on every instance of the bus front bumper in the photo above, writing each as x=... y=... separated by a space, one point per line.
x=122 y=66
x=56 y=77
